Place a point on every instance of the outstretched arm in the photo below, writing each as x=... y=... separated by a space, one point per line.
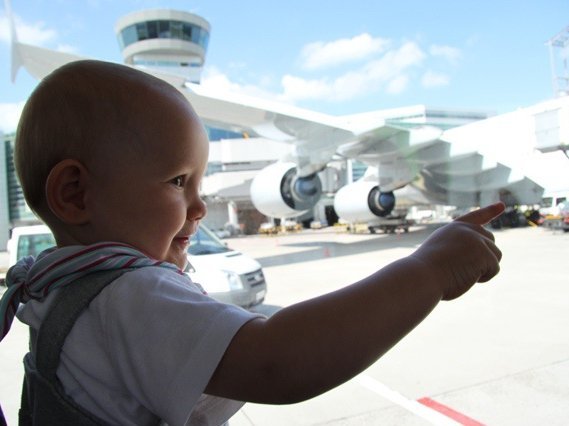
x=310 y=347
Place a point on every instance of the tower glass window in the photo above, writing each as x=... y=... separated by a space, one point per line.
x=152 y=27
x=176 y=30
x=141 y=31
x=164 y=29
x=187 y=30
x=128 y=36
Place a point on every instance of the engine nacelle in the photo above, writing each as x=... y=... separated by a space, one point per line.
x=277 y=191
x=362 y=201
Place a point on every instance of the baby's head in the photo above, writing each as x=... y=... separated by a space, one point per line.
x=83 y=110
x=98 y=120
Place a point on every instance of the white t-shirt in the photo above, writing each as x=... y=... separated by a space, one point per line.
x=145 y=349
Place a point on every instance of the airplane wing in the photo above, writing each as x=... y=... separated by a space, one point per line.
x=38 y=61
x=315 y=136
x=419 y=156
x=439 y=168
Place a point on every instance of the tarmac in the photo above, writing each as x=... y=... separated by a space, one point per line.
x=499 y=355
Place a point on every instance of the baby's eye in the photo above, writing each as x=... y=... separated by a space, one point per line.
x=178 y=181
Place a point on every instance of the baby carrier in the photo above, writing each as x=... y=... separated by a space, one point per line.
x=44 y=401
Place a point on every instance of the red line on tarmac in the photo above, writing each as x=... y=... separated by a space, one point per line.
x=449 y=412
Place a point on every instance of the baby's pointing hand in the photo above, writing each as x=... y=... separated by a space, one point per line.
x=463 y=252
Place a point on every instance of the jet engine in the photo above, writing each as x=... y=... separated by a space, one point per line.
x=277 y=191
x=363 y=201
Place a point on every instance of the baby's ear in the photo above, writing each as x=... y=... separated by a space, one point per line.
x=65 y=192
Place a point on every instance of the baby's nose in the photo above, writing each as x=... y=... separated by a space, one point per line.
x=197 y=209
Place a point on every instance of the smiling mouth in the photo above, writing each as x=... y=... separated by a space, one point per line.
x=182 y=240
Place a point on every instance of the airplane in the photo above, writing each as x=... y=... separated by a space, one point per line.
x=406 y=165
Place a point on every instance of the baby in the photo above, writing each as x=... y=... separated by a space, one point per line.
x=111 y=159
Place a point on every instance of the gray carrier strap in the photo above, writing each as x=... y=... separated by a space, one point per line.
x=61 y=318
x=44 y=401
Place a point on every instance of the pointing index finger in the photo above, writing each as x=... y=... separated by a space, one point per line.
x=483 y=215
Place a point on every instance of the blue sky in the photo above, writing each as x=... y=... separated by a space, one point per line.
x=338 y=57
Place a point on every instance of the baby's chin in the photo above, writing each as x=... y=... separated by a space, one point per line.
x=181 y=261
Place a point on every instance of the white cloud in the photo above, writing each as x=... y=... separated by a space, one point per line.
x=10 y=115
x=214 y=79
x=389 y=72
x=320 y=54
x=397 y=61
x=37 y=34
x=397 y=85
x=351 y=85
x=451 y=54
x=297 y=88
x=434 y=79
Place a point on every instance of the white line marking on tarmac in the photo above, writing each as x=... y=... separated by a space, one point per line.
x=420 y=410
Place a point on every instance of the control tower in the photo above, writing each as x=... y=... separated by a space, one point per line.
x=171 y=40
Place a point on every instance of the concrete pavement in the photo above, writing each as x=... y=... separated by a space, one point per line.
x=498 y=356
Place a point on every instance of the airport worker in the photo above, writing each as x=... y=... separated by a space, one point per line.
x=111 y=159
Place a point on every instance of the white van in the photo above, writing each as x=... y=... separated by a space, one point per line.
x=226 y=275
x=551 y=201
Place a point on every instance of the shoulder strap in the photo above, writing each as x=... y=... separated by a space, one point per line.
x=44 y=401
x=59 y=321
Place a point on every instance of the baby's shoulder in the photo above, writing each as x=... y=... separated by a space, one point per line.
x=152 y=276
x=149 y=285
